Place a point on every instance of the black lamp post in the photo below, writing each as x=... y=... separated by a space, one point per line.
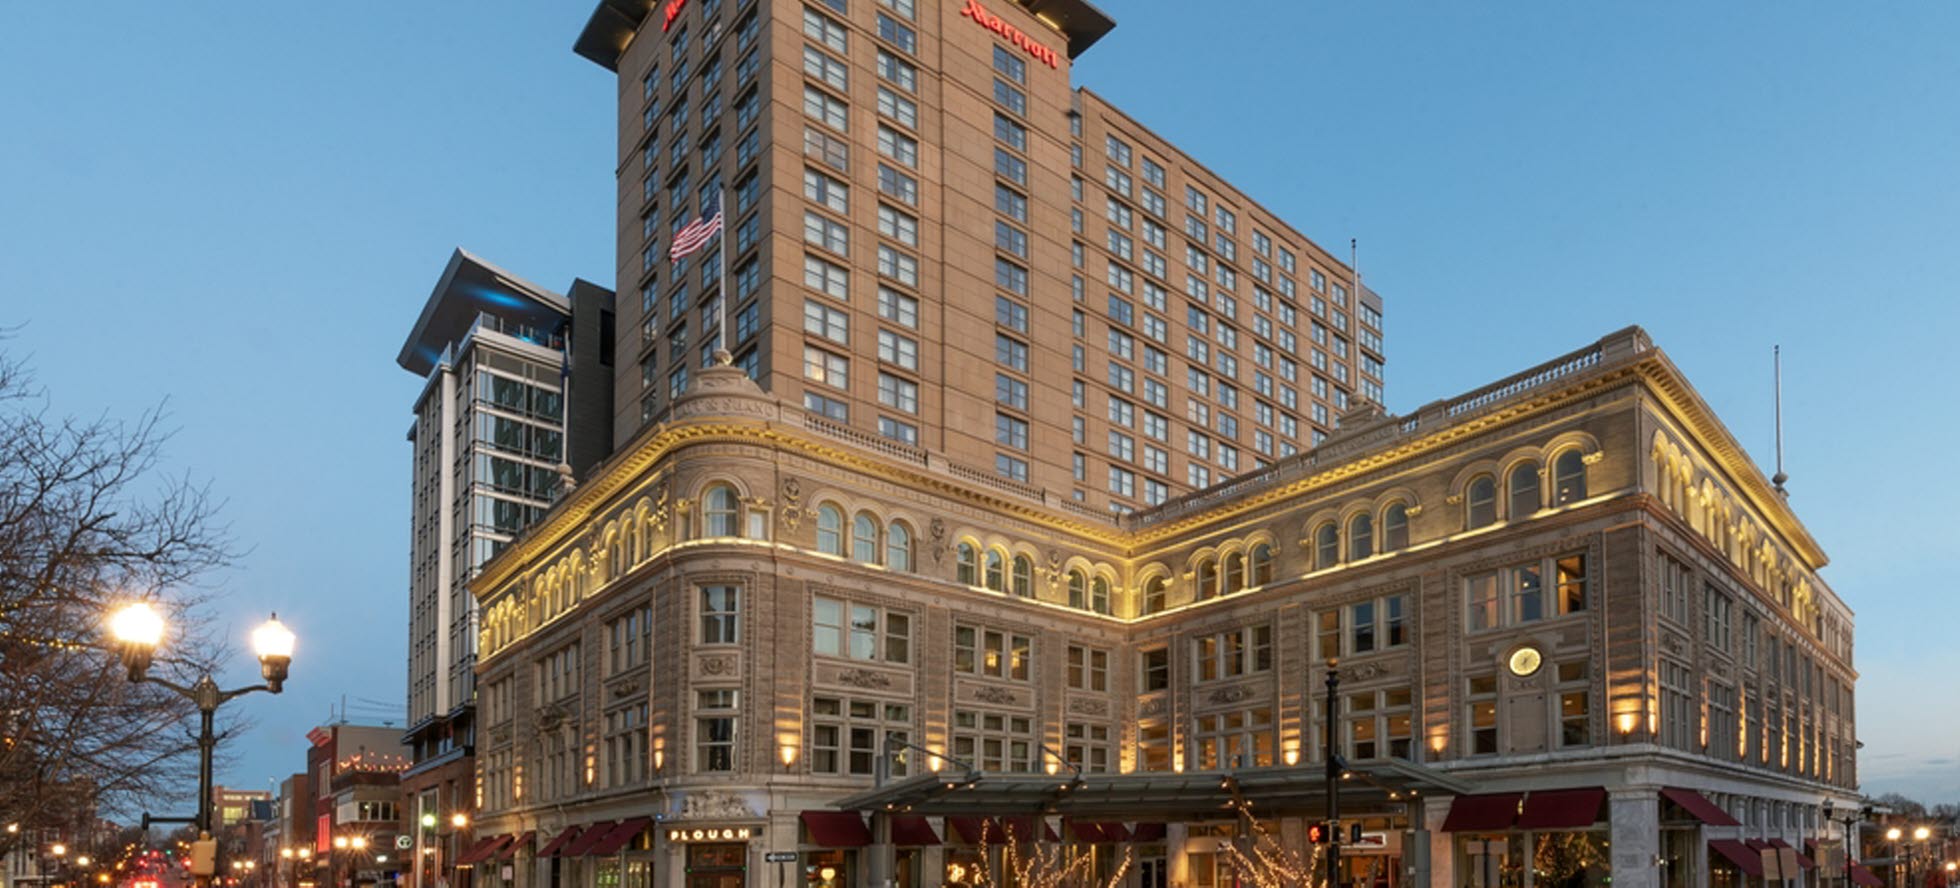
x=1850 y=821
x=1334 y=768
x=138 y=629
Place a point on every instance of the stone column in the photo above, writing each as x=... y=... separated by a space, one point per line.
x=1175 y=835
x=1636 y=820
x=1442 y=850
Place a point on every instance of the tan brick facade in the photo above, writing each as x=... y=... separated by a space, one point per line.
x=1580 y=577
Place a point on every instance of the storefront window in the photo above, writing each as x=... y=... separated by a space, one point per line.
x=716 y=865
x=828 y=868
x=1562 y=859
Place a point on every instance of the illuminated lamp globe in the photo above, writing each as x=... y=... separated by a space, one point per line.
x=138 y=629
x=273 y=642
x=459 y=820
x=1893 y=834
x=1920 y=834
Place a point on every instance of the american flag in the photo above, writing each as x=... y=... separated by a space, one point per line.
x=697 y=233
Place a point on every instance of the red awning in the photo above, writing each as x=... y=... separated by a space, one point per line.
x=557 y=845
x=1802 y=859
x=1561 y=808
x=836 y=829
x=1745 y=858
x=523 y=842
x=1699 y=806
x=1114 y=831
x=1086 y=831
x=1147 y=832
x=972 y=830
x=1483 y=813
x=619 y=837
x=1018 y=829
x=484 y=847
x=592 y=836
x=911 y=829
x=1864 y=876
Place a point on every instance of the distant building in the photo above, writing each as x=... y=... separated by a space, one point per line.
x=354 y=781
x=511 y=368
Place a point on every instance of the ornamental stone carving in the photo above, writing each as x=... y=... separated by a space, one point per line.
x=1232 y=694
x=792 y=491
x=865 y=678
x=1363 y=672
x=1153 y=707
x=994 y=694
x=717 y=665
x=1088 y=707
x=715 y=806
x=626 y=689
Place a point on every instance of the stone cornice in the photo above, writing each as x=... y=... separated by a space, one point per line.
x=725 y=408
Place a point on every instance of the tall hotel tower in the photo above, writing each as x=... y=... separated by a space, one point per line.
x=498 y=354
x=934 y=239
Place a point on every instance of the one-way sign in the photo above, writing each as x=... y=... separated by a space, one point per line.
x=780 y=857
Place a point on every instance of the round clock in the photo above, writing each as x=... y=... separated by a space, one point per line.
x=1525 y=661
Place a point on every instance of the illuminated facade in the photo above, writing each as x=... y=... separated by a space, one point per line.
x=1567 y=592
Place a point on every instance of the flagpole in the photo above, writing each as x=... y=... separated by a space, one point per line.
x=723 y=356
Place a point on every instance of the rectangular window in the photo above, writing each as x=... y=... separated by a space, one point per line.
x=714 y=749
x=720 y=614
x=1088 y=669
x=898 y=393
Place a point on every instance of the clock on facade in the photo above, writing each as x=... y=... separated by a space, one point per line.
x=1525 y=661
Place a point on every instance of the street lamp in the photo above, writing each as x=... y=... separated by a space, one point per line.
x=138 y=628
x=1850 y=821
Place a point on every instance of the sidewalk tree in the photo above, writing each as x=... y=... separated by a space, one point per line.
x=89 y=520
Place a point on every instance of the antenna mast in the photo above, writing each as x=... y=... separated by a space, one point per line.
x=1778 y=478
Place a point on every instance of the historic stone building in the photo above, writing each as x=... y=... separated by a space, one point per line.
x=1578 y=634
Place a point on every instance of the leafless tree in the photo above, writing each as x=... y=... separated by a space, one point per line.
x=88 y=521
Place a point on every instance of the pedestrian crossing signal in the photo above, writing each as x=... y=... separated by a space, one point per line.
x=1317 y=834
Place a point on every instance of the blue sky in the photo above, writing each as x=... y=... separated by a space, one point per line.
x=240 y=208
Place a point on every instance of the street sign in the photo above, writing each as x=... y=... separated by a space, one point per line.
x=404 y=842
x=780 y=857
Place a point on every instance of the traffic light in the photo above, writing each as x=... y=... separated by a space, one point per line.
x=1354 y=833
x=204 y=857
x=1317 y=834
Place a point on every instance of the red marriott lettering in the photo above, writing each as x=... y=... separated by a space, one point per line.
x=993 y=23
x=673 y=12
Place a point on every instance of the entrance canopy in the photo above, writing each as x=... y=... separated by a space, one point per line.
x=1375 y=786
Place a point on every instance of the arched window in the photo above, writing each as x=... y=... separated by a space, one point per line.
x=721 y=515
x=830 y=529
x=1234 y=578
x=996 y=570
x=864 y=538
x=1480 y=501
x=1207 y=579
x=1395 y=527
x=1569 y=478
x=1361 y=536
x=1156 y=593
x=1326 y=546
x=968 y=559
x=1078 y=589
x=898 y=546
x=1099 y=595
x=1023 y=576
x=1524 y=491
x=1262 y=564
